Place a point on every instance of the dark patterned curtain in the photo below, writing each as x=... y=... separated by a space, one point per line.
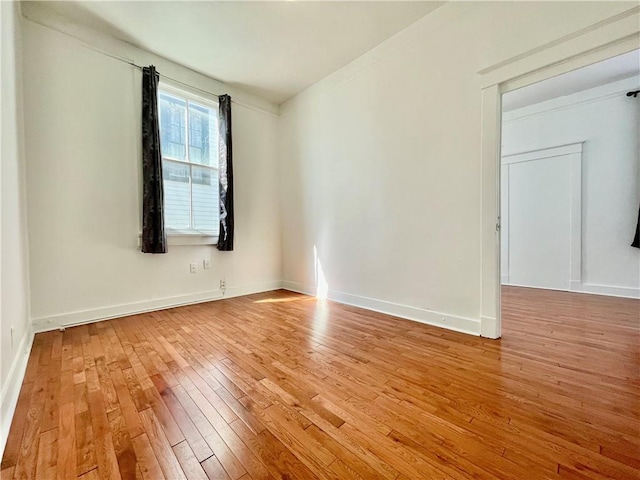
x=154 y=239
x=225 y=240
x=636 y=240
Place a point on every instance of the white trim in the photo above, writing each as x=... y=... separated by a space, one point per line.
x=505 y=222
x=541 y=153
x=490 y=293
x=584 y=97
x=575 y=216
x=612 y=291
x=184 y=239
x=539 y=288
x=70 y=319
x=231 y=292
x=11 y=388
x=560 y=54
x=613 y=36
x=430 y=317
x=187 y=92
x=123 y=51
x=589 y=289
x=625 y=45
x=489 y=328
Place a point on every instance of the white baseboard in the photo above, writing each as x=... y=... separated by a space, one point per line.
x=626 y=292
x=55 y=322
x=579 y=287
x=11 y=388
x=489 y=328
x=430 y=317
x=507 y=284
x=251 y=289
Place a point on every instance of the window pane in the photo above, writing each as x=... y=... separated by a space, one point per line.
x=177 y=196
x=172 y=126
x=203 y=135
x=205 y=199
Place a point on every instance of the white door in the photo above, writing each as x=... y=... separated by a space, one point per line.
x=541 y=217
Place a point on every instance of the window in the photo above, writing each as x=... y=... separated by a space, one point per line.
x=189 y=143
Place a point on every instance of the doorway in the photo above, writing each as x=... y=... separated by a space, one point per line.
x=570 y=184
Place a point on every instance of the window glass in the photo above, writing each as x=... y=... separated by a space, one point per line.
x=203 y=132
x=177 y=195
x=189 y=142
x=205 y=198
x=172 y=126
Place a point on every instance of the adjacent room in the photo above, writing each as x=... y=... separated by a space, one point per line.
x=306 y=240
x=569 y=178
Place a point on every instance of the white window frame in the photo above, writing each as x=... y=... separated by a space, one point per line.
x=189 y=236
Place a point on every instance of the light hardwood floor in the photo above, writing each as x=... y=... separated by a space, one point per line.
x=280 y=385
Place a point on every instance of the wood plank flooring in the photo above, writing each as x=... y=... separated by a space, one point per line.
x=280 y=385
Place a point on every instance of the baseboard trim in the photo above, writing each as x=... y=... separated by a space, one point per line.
x=251 y=289
x=539 y=288
x=11 y=389
x=70 y=319
x=578 y=287
x=489 y=328
x=451 y=322
x=611 y=291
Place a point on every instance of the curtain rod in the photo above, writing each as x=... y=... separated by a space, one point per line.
x=133 y=64
x=139 y=67
x=176 y=81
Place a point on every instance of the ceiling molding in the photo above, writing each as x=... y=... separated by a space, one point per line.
x=622 y=28
x=123 y=51
x=271 y=50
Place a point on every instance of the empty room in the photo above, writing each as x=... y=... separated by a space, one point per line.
x=319 y=240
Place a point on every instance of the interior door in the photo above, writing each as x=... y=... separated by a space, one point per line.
x=539 y=224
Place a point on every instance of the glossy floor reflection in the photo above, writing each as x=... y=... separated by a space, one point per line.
x=280 y=385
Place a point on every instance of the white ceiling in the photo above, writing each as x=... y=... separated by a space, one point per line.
x=274 y=49
x=591 y=76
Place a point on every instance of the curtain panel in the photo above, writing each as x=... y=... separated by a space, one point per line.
x=225 y=239
x=154 y=239
x=636 y=240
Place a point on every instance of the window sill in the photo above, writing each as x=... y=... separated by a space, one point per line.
x=178 y=239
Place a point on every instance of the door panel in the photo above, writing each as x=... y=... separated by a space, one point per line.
x=538 y=222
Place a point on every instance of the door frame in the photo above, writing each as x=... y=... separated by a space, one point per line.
x=611 y=37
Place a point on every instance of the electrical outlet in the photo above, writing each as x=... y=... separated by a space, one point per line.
x=206 y=263
x=223 y=284
x=194 y=268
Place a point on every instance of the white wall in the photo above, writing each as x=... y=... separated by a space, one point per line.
x=14 y=300
x=606 y=120
x=82 y=112
x=381 y=161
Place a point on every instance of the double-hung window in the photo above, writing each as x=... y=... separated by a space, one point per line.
x=189 y=144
